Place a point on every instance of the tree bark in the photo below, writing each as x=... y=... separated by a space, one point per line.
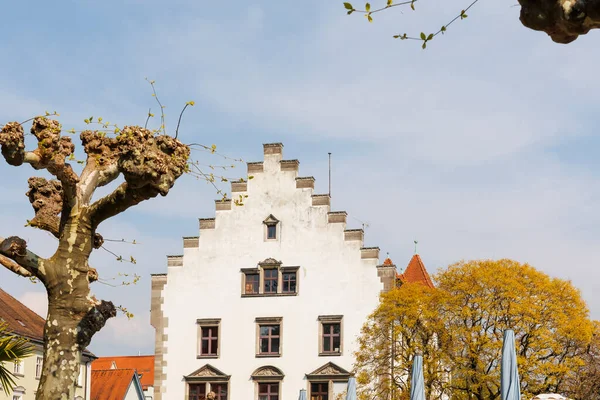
x=73 y=315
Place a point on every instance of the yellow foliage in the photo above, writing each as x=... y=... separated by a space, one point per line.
x=458 y=327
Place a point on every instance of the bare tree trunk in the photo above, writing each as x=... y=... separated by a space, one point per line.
x=73 y=315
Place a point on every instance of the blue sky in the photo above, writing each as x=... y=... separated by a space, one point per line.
x=482 y=146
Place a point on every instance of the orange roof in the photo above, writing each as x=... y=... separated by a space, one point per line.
x=144 y=366
x=111 y=384
x=388 y=261
x=416 y=272
x=20 y=319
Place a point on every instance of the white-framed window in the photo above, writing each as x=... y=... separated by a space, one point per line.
x=18 y=393
x=39 y=364
x=19 y=368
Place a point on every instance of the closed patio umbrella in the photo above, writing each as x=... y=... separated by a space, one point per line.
x=302 y=394
x=509 y=373
x=351 y=392
x=417 y=383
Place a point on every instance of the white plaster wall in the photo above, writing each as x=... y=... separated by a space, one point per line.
x=131 y=393
x=332 y=280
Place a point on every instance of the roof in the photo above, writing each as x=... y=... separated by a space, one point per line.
x=111 y=384
x=416 y=273
x=21 y=320
x=143 y=365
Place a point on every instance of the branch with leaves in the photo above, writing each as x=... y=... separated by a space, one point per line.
x=563 y=20
x=423 y=37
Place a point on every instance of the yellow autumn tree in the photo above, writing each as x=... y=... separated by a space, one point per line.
x=407 y=322
x=548 y=316
x=459 y=325
x=585 y=382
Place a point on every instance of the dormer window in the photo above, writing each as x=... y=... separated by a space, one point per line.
x=271 y=228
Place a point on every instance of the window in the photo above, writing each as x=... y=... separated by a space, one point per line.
x=271 y=231
x=206 y=382
x=252 y=283
x=200 y=391
x=319 y=391
x=271 y=228
x=269 y=337
x=289 y=282
x=39 y=363
x=331 y=337
x=208 y=337
x=197 y=391
x=267 y=382
x=268 y=391
x=220 y=390
x=19 y=368
x=271 y=278
x=330 y=334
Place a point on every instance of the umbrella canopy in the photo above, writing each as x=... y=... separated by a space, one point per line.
x=351 y=392
x=302 y=394
x=509 y=374
x=417 y=383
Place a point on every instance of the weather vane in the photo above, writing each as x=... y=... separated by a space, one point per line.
x=416 y=246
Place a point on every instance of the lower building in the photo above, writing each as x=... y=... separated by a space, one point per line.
x=116 y=384
x=143 y=366
x=23 y=322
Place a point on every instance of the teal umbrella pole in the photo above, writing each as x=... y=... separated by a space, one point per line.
x=351 y=391
x=510 y=387
x=417 y=382
x=302 y=394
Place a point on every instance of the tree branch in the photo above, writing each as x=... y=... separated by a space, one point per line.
x=46 y=197
x=14 y=266
x=50 y=154
x=150 y=165
x=15 y=249
x=94 y=320
x=562 y=20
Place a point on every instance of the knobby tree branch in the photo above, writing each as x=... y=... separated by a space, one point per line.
x=14 y=251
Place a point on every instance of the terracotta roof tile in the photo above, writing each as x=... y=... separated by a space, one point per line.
x=143 y=365
x=111 y=384
x=388 y=261
x=416 y=272
x=21 y=320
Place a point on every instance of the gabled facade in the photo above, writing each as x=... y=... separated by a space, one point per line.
x=269 y=299
x=143 y=366
x=116 y=384
x=24 y=322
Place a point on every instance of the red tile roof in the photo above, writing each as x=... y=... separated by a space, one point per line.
x=388 y=261
x=111 y=384
x=20 y=319
x=416 y=272
x=144 y=366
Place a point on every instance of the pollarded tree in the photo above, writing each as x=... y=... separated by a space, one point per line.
x=149 y=161
x=563 y=20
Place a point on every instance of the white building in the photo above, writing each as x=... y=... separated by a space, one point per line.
x=269 y=299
